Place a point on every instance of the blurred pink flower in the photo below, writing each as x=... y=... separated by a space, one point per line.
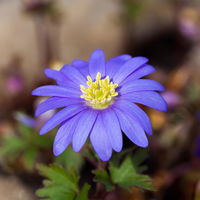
x=172 y=98
x=189 y=22
x=14 y=84
x=188 y=29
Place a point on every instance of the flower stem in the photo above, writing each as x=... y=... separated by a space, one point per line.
x=100 y=189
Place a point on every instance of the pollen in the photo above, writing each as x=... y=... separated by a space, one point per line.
x=100 y=93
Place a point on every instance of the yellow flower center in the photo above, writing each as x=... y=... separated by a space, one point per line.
x=99 y=94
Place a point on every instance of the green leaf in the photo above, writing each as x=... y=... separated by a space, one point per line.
x=84 y=192
x=126 y=175
x=30 y=157
x=141 y=181
x=102 y=176
x=12 y=146
x=33 y=138
x=61 y=184
x=41 y=141
x=27 y=144
x=25 y=131
x=119 y=155
x=70 y=160
x=119 y=174
x=138 y=159
x=58 y=175
x=56 y=192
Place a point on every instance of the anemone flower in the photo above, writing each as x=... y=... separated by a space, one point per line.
x=99 y=99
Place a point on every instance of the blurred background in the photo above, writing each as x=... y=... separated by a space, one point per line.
x=36 y=34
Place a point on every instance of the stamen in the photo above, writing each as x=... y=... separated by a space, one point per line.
x=99 y=94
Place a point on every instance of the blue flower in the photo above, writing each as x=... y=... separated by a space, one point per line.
x=99 y=99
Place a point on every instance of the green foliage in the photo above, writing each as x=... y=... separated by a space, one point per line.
x=70 y=159
x=138 y=159
x=125 y=174
x=133 y=8
x=83 y=195
x=11 y=146
x=61 y=184
x=30 y=157
x=103 y=177
x=25 y=145
x=192 y=92
x=33 y=138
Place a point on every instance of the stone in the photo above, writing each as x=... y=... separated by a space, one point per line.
x=12 y=189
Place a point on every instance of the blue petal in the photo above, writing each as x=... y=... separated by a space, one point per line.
x=79 y=63
x=141 y=85
x=137 y=113
x=61 y=116
x=51 y=73
x=82 y=66
x=130 y=66
x=147 y=98
x=54 y=90
x=74 y=75
x=139 y=73
x=100 y=140
x=112 y=129
x=132 y=129
x=53 y=103
x=60 y=78
x=97 y=63
x=113 y=65
x=83 y=129
x=64 y=135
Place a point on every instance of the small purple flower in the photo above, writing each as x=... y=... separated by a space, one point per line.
x=98 y=97
x=31 y=122
x=25 y=119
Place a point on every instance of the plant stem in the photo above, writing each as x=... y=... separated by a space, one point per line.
x=100 y=189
